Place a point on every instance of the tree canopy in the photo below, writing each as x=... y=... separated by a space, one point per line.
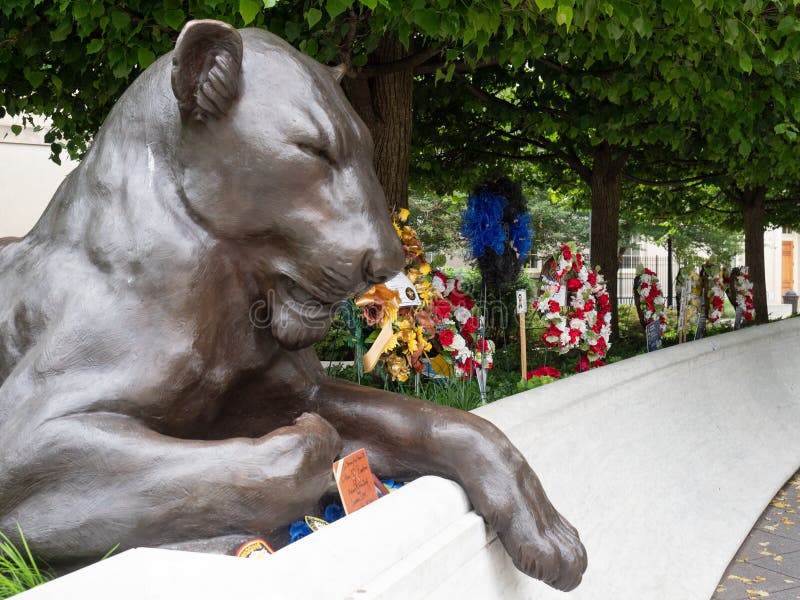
x=592 y=93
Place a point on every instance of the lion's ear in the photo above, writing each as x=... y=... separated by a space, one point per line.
x=206 y=67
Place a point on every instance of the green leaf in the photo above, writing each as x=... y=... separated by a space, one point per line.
x=146 y=57
x=564 y=15
x=786 y=24
x=292 y=31
x=545 y=4
x=270 y=3
x=744 y=148
x=248 y=9
x=175 y=18
x=94 y=46
x=745 y=62
x=120 y=20
x=313 y=16
x=16 y=129
x=370 y=4
x=60 y=33
x=35 y=78
x=336 y=7
x=428 y=20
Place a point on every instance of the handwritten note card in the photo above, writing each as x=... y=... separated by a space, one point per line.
x=355 y=481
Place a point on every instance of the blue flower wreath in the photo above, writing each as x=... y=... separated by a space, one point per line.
x=482 y=223
x=521 y=237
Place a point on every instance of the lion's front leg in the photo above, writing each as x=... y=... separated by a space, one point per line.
x=86 y=482
x=405 y=436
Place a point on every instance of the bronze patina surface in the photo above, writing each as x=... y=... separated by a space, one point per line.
x=157 y=387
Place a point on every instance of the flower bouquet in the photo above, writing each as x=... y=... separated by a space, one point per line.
x=442 y=321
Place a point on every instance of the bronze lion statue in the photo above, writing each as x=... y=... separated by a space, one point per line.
x=138 y=403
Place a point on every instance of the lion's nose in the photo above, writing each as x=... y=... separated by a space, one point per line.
x=380 y=265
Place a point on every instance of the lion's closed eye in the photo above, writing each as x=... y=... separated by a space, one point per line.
x=318 y=152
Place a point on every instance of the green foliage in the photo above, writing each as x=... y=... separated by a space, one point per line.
x=19 y=570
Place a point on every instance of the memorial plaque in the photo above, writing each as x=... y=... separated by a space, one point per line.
x=653 y=333
x=522 y=302
x=354 y=480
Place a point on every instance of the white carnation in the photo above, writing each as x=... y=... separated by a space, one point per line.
x=458 y=343
x=461 y=314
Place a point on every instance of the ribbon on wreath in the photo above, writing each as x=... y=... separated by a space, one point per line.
x=379 y=305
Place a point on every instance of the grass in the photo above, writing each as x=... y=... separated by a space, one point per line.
x=19 y=571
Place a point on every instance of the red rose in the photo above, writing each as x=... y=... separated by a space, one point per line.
x=574 y=335
x=470 y=326
x=603 y=301
x=600 y=346
x=578 y=314
x=593 y=277
x=588 y=305
x=441 y=309
x=457 y=297
x=553 y=306
x=566 y=252
x=577 y=264
x=574 y=284
x=446 y=337
x=468 y=303
x=482 y=346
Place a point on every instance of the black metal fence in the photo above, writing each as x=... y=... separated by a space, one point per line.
x=627 y=272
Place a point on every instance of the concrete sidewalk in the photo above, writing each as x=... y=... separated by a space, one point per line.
x=768 y=563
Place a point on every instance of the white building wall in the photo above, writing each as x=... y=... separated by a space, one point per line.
x=29 y=178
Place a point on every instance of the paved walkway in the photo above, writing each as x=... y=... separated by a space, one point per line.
x=768 y=563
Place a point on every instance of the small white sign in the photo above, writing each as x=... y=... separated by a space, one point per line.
x=403 y=286
x=522 y=302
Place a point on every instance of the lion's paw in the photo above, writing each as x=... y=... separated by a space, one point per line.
x=541 y=542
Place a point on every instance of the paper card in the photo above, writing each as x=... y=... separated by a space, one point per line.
x=653 y=333
x=403 y=286
x=522 y=302
x=354 y=480
x=256 y=548
x=561 y=296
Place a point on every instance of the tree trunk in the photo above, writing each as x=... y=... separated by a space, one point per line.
x=384 y=103
x=753 y=204
x=605 y=183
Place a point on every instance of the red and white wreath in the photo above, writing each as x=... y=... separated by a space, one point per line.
x=716 y=291
x=744 y=293
x=651 y=298
x=575 y=303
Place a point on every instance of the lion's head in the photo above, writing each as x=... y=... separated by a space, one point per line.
x=275 y=161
